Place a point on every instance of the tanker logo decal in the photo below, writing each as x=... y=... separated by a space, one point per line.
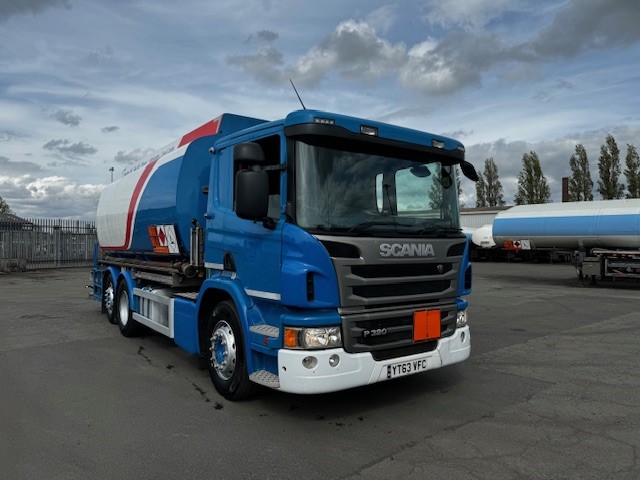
x=163 y=239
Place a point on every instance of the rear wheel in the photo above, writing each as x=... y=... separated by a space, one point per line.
x=128 y=326
x=225 y=348
x=108 y=298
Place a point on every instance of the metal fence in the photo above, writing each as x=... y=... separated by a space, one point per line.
x=45 y=243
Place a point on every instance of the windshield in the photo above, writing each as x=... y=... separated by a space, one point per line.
x=364 y=194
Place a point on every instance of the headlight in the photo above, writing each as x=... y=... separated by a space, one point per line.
x=312 y=338
x=461 y=321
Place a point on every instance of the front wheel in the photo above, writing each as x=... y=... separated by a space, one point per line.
x=128 y=326
x=227 y=361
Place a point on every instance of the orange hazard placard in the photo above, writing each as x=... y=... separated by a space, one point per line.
x=156 y=241
x=426 y=325
x=163 y=239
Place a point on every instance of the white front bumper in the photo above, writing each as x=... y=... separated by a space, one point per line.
x=356 y=369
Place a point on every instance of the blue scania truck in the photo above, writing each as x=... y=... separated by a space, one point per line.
x=311 y=254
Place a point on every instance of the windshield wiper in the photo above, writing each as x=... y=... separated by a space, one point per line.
x=442 y=231
x=366 y=225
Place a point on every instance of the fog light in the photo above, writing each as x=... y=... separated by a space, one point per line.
x=462 y=319
x=309 y=362
x=334 y=360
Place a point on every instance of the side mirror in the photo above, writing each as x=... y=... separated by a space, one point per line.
x=469 y=171
x=445 y=179
x=249 y=153
x=252 y=194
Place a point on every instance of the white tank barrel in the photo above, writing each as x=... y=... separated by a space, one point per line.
x=149 y=211
x=605 y=224
x=483 y=237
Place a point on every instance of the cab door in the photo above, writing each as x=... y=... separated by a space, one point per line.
x=252 y=249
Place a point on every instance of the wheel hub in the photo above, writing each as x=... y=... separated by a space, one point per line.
x=123 y=307
x=223 y=350
x=108 y=299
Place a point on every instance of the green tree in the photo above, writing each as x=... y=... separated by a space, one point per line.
x=481 y=189
x=609 y=168
x=436 y=198
x=442 y=189
x=4 y=207
x=580 y=183
x=632 y=172
x=532 y=184
x=493 y=192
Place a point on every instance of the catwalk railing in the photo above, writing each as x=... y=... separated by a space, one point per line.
x=45 y=243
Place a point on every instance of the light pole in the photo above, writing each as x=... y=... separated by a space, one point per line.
x=111 y=170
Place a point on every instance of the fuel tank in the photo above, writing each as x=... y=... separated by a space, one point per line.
x=605 y=224
x=149 y=211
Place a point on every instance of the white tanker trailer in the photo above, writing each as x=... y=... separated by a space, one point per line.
x=605 y=234
x=483 y=237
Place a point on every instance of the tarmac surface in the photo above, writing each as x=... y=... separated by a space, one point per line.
x=551 y=391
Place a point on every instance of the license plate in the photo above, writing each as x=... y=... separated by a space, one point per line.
x=401 y=369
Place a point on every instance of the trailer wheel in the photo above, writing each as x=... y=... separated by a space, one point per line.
x=128 y=326
x=225 y=350
x=108 y=298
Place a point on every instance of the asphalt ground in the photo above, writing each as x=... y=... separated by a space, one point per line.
x=551 y=391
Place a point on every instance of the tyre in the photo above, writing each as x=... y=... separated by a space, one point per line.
x=124 y=316
x=226 y=356
x=108 y=298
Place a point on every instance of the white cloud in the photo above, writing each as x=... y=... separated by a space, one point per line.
x=132 y=157
x=67 y=117
x=264 y=65
x=468 y=14
x=427 y=71
x=10 y=7
x=383 y=18
x=7 y=135
x=596 y=24
x=263 y=36
x=360 y=54
x=8 y=167
x=53 y=196
x=353 y=49
x=65 y=149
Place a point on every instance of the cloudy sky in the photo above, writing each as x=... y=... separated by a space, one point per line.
x=86 y=86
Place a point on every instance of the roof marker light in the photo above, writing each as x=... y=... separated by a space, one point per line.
x=366 y=130
x=324 y=121
x=437 y=143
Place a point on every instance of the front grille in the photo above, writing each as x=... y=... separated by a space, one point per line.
x=381 y=285
x=389 y=334
x=369 y=277
x=399 y=271
x=400 y=289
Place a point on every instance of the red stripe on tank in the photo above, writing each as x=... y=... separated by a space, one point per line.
x=209 y=128
x=137 y=191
